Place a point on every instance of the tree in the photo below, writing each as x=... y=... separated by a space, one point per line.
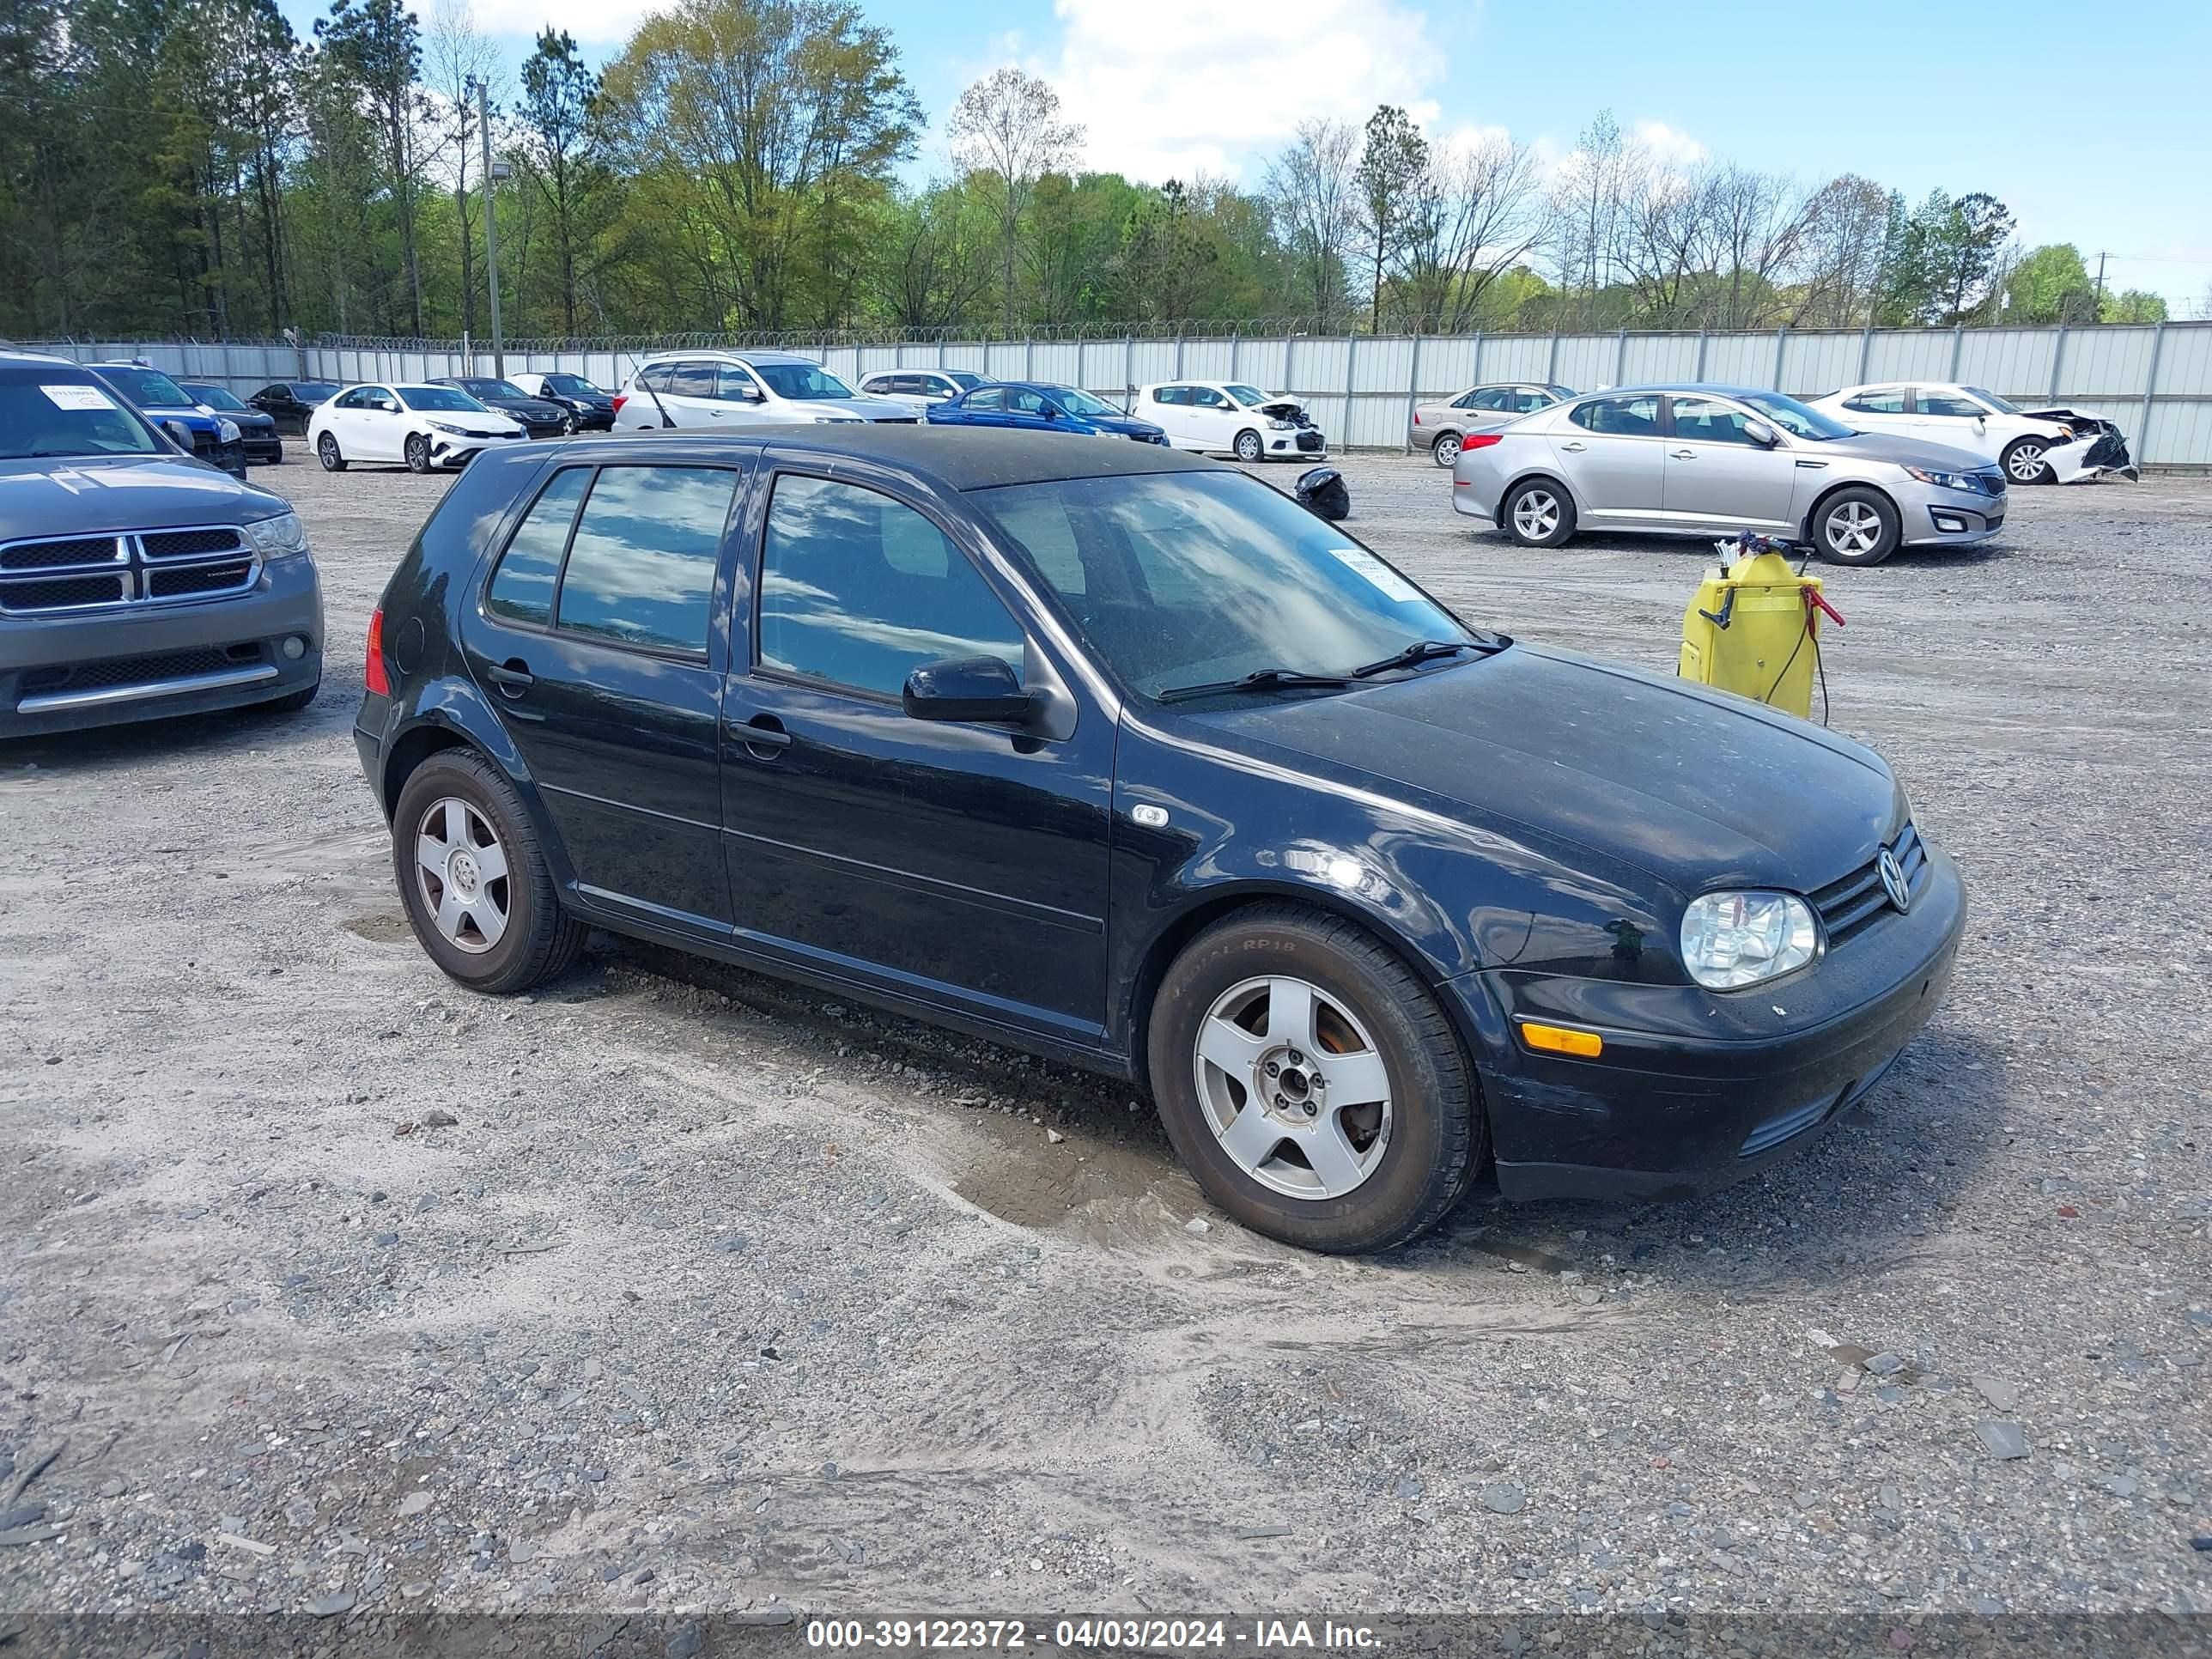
x=379 y=47
x=1313 y=194
x=559 y=114
x=1008 y=125
x=2135 y=305
x=2050 y=284
x=1391 y=159
x=1475 y=214
x=1840 y=252
x=1588 y=205
x=461 y=58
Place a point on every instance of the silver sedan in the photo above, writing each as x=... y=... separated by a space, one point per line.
x=1438 y=427
x=1711 y=461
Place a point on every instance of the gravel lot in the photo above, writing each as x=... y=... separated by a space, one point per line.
x=671 y=1288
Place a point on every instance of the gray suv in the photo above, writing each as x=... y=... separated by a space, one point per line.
x=136 y=582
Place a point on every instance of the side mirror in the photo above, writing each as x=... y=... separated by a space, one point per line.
x=966 y=689
x=1761 y=433
x=178 y=434
x=1049 y=412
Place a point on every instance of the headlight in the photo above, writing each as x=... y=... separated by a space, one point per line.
x=1943 y=480
x=1730 y=939
x=1283 y=426
x=281 y=538
x=440 y=426
x=840 y=420
x=227 y=431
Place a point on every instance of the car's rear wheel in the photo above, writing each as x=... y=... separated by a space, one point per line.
x=1446 y=451
x=418 y=454
x=1310 y=1082
x=2024 y=462
x=1857 y=526
x=326 y=452
x=1538 y=513
x=474 y=878
x=1249 y=446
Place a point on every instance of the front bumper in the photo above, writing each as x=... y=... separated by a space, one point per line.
x=1670 y=1112
x=1933 y=516
x=147 y=662
x=1287 y=446
x=263 y=448
x=2100 y=455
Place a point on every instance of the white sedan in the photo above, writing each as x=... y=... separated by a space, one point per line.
x=2043 y=445
x=424 y=427
x=1227 y=417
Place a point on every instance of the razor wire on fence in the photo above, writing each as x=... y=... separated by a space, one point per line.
x=2154 y=379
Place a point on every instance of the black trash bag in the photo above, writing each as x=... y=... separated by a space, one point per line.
x=1322 y=493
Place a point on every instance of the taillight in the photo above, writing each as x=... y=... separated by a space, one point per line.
x=373 y=673
x=1478 y=440
x=620 y=397
x=1417 y=417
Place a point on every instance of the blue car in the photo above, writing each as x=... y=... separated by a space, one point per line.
x=1032 y=406
x=212 y=437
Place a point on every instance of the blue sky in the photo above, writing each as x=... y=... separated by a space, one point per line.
x=2093 y=123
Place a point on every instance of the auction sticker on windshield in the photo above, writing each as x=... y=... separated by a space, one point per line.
x=77 y=397
x=1389 y=582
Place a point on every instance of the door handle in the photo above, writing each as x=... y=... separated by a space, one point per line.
x=1575 y=447
x=1684 y=454
x=512 y=676
x=765 y=731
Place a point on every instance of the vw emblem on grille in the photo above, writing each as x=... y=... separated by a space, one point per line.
x=1893 y=882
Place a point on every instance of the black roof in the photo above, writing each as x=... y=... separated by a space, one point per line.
x=956 y=458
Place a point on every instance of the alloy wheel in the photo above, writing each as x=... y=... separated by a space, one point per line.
x=1446 y=450
x=1535 y=515
x=2025 y=463
x=1854 y=530
x=460 y=872
x=1293 y=1087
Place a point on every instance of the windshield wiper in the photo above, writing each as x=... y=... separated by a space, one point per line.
x=1419 y=652
x=1260 y=679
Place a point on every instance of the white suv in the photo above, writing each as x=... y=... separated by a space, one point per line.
x=1227 y=417
x=714 y=389
x=918 y=388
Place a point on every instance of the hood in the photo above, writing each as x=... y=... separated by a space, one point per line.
x=492 y=425
x=866 y=408
x=1699 y=789
x=93 y=495
x=1128 y=425
x=1905 y=452
x=533 y=409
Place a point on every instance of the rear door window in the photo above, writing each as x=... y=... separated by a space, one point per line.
x=1620 y=418
x=641 y=564
x=693 y=380
x=1949 y=402
x=1886 y=400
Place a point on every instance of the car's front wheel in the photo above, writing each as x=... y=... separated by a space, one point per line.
x=1249 y=446
x=1446 y=451
x=1857 y=526
x=418 y=454
x=569 y=424
x=326 y=452
x=1538 y=513
x=473 y=876
x=2024 y=462
x=1310 y=1082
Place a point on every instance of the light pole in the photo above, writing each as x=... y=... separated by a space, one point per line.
x=492 y=172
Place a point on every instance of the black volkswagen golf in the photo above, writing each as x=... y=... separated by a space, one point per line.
x=1118 y=756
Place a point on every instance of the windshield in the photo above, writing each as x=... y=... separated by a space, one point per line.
x=573 y=386
x=1078 y=403
x=1185 y=578
x=452 y=399
x=45 y=412
x=214 y=396
x=148 y=388
x=1250 y=396
x=1796 y=418
x=2000 y=405
x=962 y=379
x=800 y=381
x=494 y=389
x=313 y=391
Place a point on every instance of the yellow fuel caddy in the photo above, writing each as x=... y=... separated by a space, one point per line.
x=1754 y=627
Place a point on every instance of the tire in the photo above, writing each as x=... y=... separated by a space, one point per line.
x=1857 y=526
x=418 y=454
x=2023 y=462
x=1446 y=451
x=292 y=702
x=535 y=939
x=1538 y=512
x=1249 y=448
x=1423 y=1140
x=569 y=424
x=326 y=452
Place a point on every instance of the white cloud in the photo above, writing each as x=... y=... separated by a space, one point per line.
x=1172 y=89
x=1668 y=145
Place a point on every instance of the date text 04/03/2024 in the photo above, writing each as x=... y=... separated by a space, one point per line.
x=1108 y=1634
